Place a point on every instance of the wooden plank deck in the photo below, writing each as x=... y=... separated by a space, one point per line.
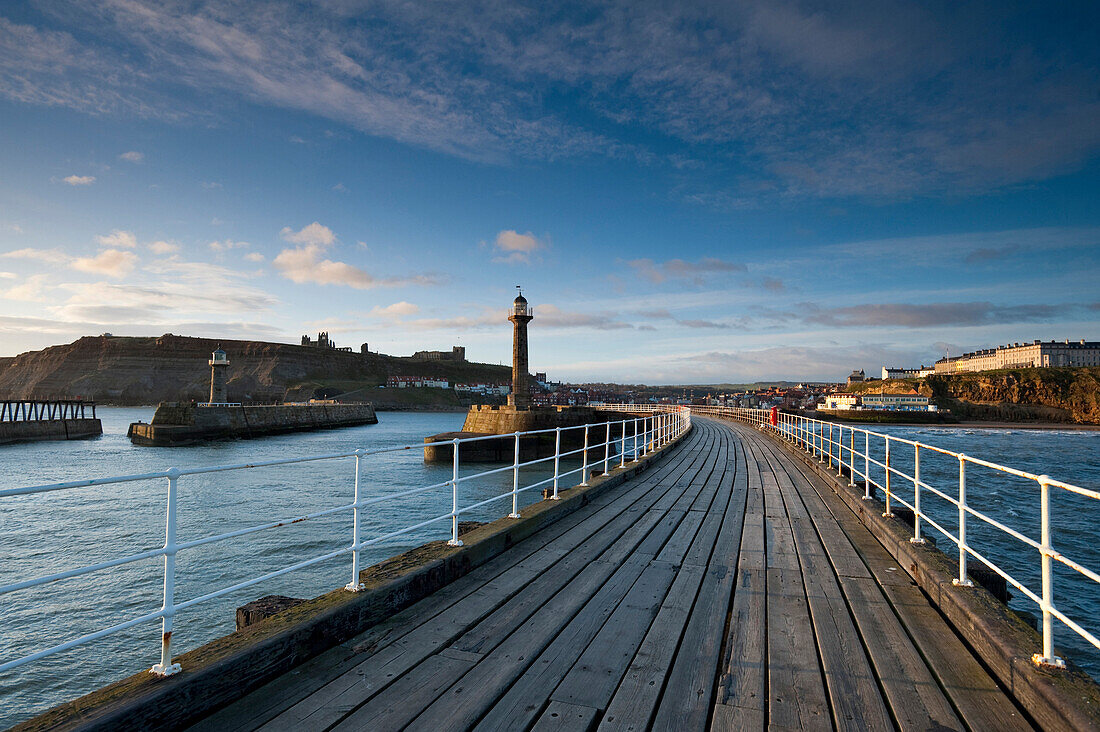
x=727 y=588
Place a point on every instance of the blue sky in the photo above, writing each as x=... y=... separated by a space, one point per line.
x=692 y=194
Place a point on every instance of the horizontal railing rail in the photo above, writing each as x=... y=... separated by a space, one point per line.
x=602 y=445
x=872 y=457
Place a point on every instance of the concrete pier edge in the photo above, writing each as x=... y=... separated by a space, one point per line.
x=1065 y=699
x=229 y=667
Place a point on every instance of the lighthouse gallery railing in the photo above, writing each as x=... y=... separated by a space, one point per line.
x=604 y=443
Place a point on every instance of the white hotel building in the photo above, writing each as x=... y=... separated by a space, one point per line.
x=1024 y=355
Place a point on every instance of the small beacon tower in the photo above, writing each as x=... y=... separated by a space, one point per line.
x=219 y=363
x=520 y=398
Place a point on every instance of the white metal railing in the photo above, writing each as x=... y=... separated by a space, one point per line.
x=868 y=455
x=617 y=440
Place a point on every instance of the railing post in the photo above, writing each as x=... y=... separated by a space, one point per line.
x=839 y=450
x=557 y=458
x=831 y=445
x=455 y=541
x=515 y=483
x=584 y=458
x=355 y=585
x=1046 y=551
x=851 y=457
x=962 y=580
x=607 y=450
x=166 y=667
x=634 y=450
x=917 y=539
x=887 y=513
x=866 y=465
x=622 y=448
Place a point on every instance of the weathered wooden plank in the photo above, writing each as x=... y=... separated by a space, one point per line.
x=594 y=677
x=976 y=696
x=911 y=691
x=856 y=700
x=631 y=707
x=779 y=543
x=729 y=718
x=280 y=694
x=471 y=696
x=744 y=672
x=562 y=717
x=663 y=527
x=328 y=703
x=484 y=635
x=914 y=695
x=796 y=694
x=973 y=693
x=703 y=546
x=591 y=653
x=689 y=691
x=403 y=699
x=681 y=540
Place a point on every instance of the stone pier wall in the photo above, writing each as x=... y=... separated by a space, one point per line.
x=49 y=429
x=177 y=424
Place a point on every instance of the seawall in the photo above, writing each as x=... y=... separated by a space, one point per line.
x=49 y=429
x=182 y=424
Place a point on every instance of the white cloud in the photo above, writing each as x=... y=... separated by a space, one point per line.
x=395 y=311
x=51 y=256
x=516 y=248
x=8 y=276
x=133 y=156
x=679 y=269
x=254 y=257
x=111 y=262
x=32 y=290
x=163 y=247
x=79 y=180
x=551 y=316
x=118 y=238
x=305 y=264
x=315 y=234
x=227 y=244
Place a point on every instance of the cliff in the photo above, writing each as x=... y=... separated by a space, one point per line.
x=121 y=370
x=1070 y=395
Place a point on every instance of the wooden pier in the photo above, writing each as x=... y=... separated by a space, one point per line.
x=729 y=587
